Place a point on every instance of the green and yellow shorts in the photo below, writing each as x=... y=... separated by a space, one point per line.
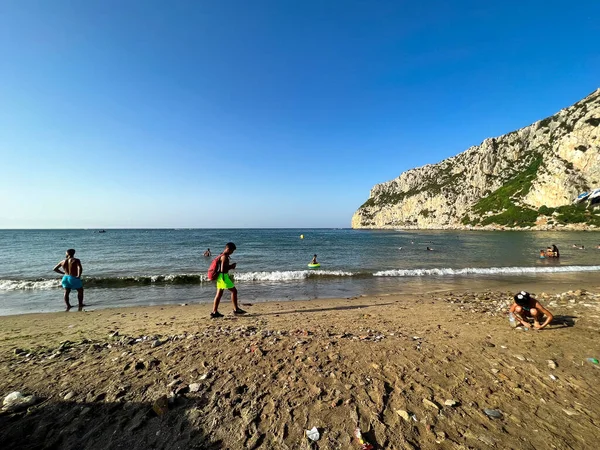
x=224 y=282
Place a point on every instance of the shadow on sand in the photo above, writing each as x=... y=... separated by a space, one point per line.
x=312 y=310
x=105 y=425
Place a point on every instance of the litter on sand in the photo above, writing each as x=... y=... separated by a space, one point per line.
x=364 y=445
x=313 y=434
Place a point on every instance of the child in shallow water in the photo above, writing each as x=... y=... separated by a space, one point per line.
x=525 y=308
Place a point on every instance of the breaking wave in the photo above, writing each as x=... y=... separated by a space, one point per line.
x=176 y=279
x=483 y=271
x=291 y=275
x=282 y=276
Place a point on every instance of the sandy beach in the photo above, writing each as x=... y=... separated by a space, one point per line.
x=411 y=372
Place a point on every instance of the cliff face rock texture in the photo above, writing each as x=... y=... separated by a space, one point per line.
x=524 y=179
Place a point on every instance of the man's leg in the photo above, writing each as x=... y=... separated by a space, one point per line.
x=80 y=298
x=218 y=296
x=67 y=292
x=234 y=298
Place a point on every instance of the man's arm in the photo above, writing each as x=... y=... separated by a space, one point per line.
x=224 y=264
x=547 y=313
x=58 y=266
x=79 y=269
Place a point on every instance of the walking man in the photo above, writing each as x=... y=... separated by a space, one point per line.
x=225 y=282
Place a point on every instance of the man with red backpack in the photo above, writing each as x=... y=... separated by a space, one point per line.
x=219 y=270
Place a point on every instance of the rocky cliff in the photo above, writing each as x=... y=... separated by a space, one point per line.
x=524 y=179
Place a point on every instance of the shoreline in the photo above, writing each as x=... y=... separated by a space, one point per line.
x=412 y=286
x=560 y=227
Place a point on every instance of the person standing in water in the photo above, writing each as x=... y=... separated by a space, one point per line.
x=207 y=253
x=224 y=281
x=71 y=271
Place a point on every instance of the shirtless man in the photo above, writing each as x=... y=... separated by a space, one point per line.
x=71 y=269
x=224 y=281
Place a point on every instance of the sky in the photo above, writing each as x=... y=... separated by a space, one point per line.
x=263 y=113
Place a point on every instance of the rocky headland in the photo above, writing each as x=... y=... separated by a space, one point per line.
x=526 y=179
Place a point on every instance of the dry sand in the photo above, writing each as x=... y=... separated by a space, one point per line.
x=387 y=364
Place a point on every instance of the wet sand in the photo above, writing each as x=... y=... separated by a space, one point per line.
x=412 y=371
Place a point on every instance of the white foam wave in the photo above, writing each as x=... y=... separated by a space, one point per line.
x=289 y=275
x=17 y=285
x=483 y=271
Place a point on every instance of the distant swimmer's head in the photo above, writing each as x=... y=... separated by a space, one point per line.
x=229 y=248
x=71 y=252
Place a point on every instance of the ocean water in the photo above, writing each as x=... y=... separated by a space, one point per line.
x=150 y=267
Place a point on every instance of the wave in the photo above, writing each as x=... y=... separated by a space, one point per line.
x=483 y=271
x=281 y=276
x=292 y=275
x=105 y=282
x=174 y=279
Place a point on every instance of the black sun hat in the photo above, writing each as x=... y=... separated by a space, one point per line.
x=522 y=298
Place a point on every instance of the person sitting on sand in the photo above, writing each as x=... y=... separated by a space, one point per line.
x=542 y=254
x=207 y=253
x=525 y=307
x=314 y=260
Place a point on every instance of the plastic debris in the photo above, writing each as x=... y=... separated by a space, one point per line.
x=551 y=364
x=493 y=413
x=364 y=445
x=313 y=434
x=592 y=360
x=553 y=378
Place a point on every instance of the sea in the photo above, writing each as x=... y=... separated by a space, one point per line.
x=131 y=267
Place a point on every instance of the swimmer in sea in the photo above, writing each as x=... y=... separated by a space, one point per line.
x=429 y=249
x=542 y=254
x=207 y=252
x=525 y=307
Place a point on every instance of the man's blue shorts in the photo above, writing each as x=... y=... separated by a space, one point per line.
x=71 y=282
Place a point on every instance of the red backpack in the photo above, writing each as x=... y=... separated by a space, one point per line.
x=214 y=269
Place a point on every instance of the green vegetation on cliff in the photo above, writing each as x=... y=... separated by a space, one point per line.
x=503 y=201
x=515 y=188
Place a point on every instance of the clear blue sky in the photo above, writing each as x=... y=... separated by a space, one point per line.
x=260 y=113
